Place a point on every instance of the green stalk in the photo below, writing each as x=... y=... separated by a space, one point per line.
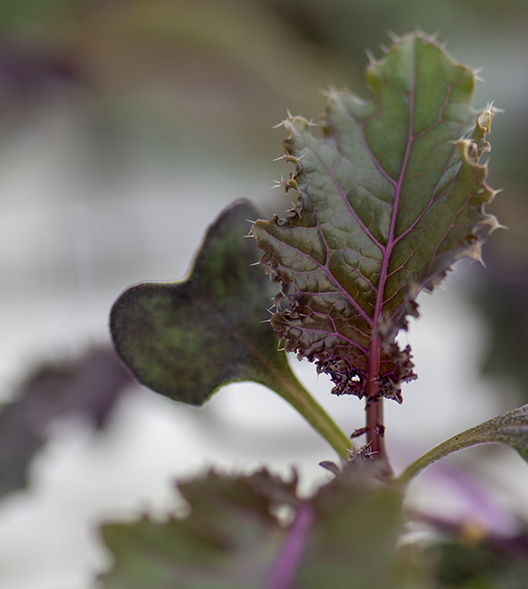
x=510 y=428
x=291 y=390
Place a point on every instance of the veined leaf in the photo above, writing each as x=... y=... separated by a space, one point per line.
x=389 y=197
x=187 y=339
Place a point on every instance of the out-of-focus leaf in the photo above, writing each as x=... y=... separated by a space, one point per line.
x=510 y=428
x=187 y=339
x=88 y=386
x=229 y=540
x=469 y=557
x=479 y=566
x=352 y=544
x=389 y=198
x=344 y=537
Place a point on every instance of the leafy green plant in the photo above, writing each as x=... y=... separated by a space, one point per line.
x=390 y=193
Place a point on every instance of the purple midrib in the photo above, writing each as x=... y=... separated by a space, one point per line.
x=387 y=248
x=397 y=193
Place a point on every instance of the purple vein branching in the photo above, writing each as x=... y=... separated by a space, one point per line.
x=330 y=171
x=327 y=271
x=374 y=317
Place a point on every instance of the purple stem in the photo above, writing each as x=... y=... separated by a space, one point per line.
x=287 y=561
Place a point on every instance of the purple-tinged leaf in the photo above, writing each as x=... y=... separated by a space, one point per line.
x=389 y=197
x=88 y=386
x=344 y=537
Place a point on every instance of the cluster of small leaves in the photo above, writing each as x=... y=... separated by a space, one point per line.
x=256 y=532
x=389 y=197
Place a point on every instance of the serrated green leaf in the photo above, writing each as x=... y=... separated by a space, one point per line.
x=187 y=339
x=510 y=428
x=389 y=197
x=344 y=537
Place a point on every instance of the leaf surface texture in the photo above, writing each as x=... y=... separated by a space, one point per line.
x=390 y=194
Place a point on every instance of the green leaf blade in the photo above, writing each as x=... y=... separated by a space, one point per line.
x=389 y=198
x=229 y=540
x=187 y=339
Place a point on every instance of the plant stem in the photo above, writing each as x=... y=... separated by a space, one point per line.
x=428 y=459
x=374 y=407
x=291 y=390
x=507 y=429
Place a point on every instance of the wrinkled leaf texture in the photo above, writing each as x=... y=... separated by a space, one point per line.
x=391 y=193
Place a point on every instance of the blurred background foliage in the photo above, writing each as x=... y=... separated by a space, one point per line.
x=191 y=89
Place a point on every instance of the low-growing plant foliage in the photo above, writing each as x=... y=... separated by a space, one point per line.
x=390 y=193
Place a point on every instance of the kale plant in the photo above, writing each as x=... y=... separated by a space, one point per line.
x=390 y=193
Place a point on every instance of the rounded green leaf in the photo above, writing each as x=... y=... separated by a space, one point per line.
x=187 y=339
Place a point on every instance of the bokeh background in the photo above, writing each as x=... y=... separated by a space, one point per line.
x=125 y=126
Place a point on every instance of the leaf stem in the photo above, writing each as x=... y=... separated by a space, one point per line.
x=498 y=429
x=291 y=390
x=374 y=407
